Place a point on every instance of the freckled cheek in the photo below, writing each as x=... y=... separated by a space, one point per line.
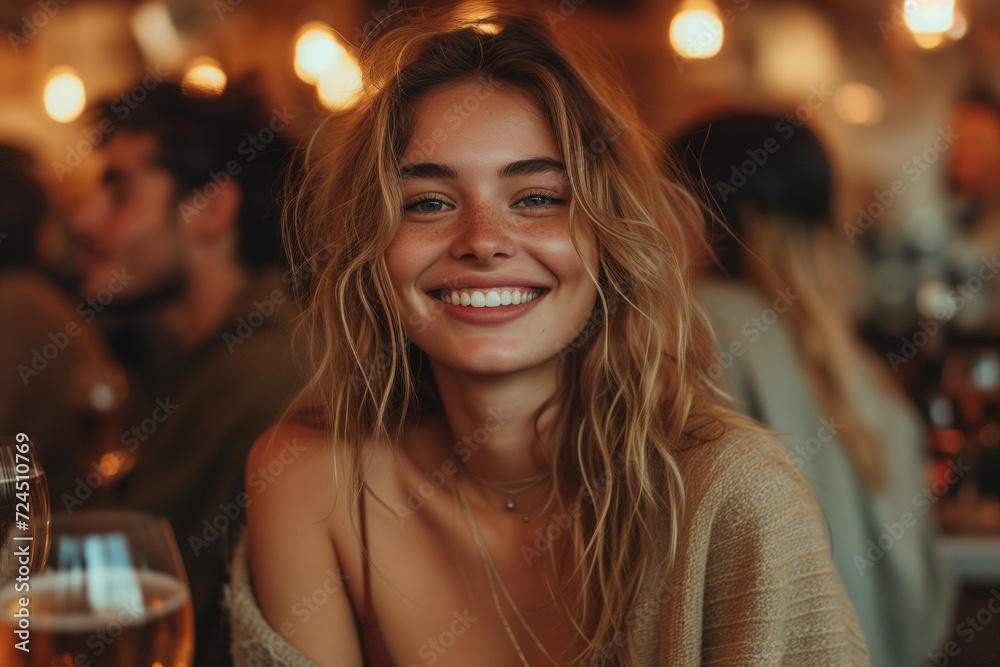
x=407 y=257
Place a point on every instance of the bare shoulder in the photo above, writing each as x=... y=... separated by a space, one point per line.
x=292 y=460
x=294 y=505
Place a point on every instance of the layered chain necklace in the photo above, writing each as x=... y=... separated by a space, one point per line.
x=512 y=488
x=493 y=575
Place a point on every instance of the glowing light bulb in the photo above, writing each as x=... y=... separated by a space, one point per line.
x=317 y=51
x=929 y=16
x=696 y=30
x=204 y=78
x=64 y=95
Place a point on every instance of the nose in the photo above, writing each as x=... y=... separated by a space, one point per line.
x=90 y=216
x=483 y=234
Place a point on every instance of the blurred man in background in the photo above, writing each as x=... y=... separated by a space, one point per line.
x=181 y=259
x=58 y=380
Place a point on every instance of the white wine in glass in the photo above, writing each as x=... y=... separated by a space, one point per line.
x=24 y=511
x=114 y=594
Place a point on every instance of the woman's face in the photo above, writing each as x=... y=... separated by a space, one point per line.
x=486 y=275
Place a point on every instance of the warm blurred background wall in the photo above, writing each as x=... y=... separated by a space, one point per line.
x=857 y=70
x=877 y=80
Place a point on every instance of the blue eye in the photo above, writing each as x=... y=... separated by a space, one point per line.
x=539 y=201
x=427 y=205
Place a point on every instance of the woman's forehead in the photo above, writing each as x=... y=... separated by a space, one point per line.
x=472 y=122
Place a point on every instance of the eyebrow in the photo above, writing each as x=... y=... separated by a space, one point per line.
x=527 y=167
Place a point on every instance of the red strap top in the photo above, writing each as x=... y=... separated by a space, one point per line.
x=375 y=652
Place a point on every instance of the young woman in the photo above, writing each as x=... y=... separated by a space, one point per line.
x=508 y=454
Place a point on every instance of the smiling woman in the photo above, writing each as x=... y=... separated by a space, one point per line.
x=512 y=453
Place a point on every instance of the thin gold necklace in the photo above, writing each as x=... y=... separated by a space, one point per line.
x=512 y=488
x=491 y=574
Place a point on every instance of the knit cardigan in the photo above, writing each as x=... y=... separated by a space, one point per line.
x=753 y=582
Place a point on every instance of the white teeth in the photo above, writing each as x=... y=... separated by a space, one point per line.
x=490 y=298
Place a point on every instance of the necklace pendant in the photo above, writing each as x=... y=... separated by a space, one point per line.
x=510 y=504
x=526 y=518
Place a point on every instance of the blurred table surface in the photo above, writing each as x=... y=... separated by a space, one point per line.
x=974 y=559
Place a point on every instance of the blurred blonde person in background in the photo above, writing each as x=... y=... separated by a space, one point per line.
x=790 y=358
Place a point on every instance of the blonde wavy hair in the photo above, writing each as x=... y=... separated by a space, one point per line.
x=633 y=388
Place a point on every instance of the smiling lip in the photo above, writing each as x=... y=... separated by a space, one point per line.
x=478 y=311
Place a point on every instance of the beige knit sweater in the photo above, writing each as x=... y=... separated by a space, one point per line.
x=753 y=584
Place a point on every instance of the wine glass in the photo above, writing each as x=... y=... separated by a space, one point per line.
x=114 y=593
x=24 y=509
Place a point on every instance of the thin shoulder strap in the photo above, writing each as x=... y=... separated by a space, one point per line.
x=368 y=613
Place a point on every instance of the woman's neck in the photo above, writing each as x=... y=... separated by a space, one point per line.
x=493 y=418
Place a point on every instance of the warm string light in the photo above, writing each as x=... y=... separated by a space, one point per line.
x=696 y=29
x=321 y=59
x=64 y=95
x=204 y=78
x=934 y=22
